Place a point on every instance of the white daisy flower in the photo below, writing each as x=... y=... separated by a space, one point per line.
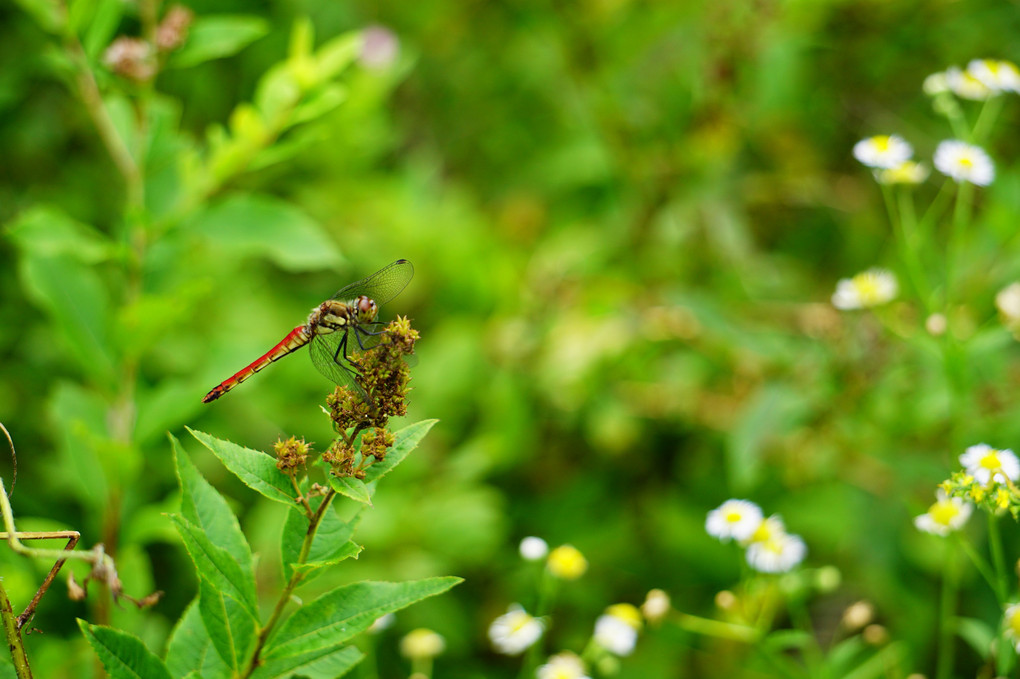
x=964 y=85
x=998 y=76
x=870 y=288
x=1011 y=621
x=656 y=606
x=985 y=463
x=946 y=515
x=883 y=151
x=514 y=631
x=777 y=554
x=565 y=665
x=907 y=172
x=533 y=549
x=935 y=84
x=1007 y=301
x=964 y=162
x=617 y=629
x=733 y=520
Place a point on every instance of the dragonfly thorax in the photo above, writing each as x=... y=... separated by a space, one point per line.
x=334 y=315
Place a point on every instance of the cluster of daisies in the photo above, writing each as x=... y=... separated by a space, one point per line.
x=769 y=548
x=615 y=633
x=891 y=159
x=988 y=478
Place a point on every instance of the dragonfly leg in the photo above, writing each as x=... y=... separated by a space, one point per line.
x=341 y=347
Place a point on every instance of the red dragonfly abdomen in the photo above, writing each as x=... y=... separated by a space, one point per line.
x=295 y=339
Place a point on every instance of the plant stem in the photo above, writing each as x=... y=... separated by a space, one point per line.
x=295 y=579
x=15 y=643
x=947 y=614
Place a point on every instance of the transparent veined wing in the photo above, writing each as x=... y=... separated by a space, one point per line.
x=382 y=286
x=329 y=355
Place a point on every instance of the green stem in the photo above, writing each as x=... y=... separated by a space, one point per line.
x=15 y=644
x=980 y=564
x=295 y=579
x=906 y=231
x=998 y=558
x=986 y=118
x=947 y=616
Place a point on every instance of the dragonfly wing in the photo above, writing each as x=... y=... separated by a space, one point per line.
x=329 y=358
x=382 y=286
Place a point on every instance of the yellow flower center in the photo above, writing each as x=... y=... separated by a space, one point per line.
x=567 y=562
x=868 y=289
x=1014 y=622
x=943 y=512
x=733 y=516
x=882 y=142
x=626 y=612
x=991 y=460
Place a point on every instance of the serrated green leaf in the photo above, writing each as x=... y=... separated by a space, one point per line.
x=78 y=304
x=123 y=655
x=255 y=469
x=206 y=509
x=347 y=550
x=352 y=488
x=321 y=664
x=214 y=37
x=338 y=616
x=404 y=441
x=231 y=626
x=332 y=536
x=191 y=651
x=48 y=231
x=249 y=224
x=217 y=565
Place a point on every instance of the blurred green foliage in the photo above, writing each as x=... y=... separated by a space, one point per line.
x=626 y=220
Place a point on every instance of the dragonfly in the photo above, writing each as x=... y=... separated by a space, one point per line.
x=346 y=321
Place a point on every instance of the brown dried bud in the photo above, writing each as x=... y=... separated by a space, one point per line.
x=290 y=454
x=173 y=30
x=132 y=58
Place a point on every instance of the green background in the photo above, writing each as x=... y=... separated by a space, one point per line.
x=626 y=220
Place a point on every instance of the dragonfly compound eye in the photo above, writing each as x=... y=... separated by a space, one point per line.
x=366 y=308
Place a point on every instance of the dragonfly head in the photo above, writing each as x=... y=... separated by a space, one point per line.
x=366 y=309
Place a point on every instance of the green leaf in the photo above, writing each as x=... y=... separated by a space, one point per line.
x=103 y=20
x=338 y=616
x=47 y=231
x=332 y=540
x=337 y=54
x=217 y=565
x=347 y=550
x=230 y=625
x=214 y=37
x=191 y=650
x=78 y=304
x=405 y=440
x=47 y=13
x=123 y=655
x=255 y=469
x=352 y=488
x=7 y=670
x=320 y=664
x=248 y=224
x=978 y=634
x=206 y=509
